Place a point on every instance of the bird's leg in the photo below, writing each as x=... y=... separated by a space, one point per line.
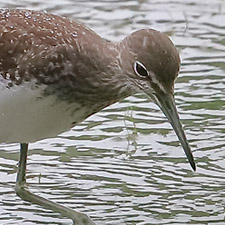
x=21 y=173
x=23 y=193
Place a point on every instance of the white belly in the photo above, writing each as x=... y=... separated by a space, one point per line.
x=25 y=116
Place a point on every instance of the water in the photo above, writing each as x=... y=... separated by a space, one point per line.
x=124 y=165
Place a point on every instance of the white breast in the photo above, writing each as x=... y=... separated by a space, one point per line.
x=26 y=116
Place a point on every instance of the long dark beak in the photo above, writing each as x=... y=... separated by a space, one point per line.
x=167 y=105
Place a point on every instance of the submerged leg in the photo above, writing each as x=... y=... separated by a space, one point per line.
x=78 y=218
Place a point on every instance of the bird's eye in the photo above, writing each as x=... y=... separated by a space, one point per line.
x=140 y=69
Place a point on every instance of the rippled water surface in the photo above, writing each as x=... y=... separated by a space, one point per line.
x=124 y=165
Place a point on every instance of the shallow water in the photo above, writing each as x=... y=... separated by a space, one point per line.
x=124 y=165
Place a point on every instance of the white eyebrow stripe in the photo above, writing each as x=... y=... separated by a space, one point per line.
x=156 y=81
x=151 y=75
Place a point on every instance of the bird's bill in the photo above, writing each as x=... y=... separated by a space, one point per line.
x=167 y=105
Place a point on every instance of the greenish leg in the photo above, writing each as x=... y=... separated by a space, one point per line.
x=23 y=193
x=21 y=173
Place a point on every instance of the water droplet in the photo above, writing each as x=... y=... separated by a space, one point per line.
x=7 y=15
x=48 y=18
x=74 y=34
x=27 y=15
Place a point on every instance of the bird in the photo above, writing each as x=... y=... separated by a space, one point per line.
x=55 y=72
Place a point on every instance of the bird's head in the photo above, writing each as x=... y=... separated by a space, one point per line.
x=151 y=63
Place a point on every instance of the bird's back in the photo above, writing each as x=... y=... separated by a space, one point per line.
x=44 y=80
x=29 y=36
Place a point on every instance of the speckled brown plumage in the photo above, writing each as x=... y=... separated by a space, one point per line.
x=50 y=49
x=65 y=72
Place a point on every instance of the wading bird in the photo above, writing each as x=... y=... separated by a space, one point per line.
x=55 y=72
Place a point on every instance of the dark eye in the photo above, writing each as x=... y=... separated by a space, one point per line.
x=140 y=69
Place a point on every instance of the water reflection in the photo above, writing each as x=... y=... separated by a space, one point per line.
x=124 y=165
